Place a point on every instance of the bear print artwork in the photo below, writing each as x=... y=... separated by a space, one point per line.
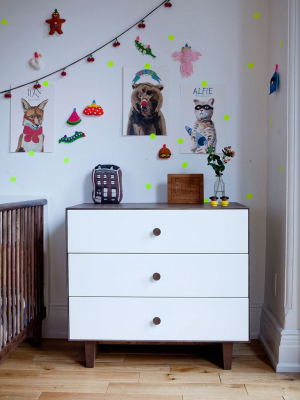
x=145 y=116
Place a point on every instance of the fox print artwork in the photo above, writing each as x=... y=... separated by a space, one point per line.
x=204 y=132
x=32 y=137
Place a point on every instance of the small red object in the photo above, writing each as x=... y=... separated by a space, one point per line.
x=168 y=4
x=92 y=59
x=38 y=85
x=64 y=73
x=144 y=103
x=7 y=95
x=116 y=44
x=141 y=24
x=35 y=86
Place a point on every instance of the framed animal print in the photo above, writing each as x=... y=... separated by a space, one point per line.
x=32 y=120
x=202 y=120
x=145 y=101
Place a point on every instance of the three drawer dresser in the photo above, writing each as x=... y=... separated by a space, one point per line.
x=158 y=273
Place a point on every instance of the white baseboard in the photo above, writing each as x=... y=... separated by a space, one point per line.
x=281 y=345
x=55 y=326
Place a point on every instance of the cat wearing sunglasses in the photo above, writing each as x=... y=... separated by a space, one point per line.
x=204 y=132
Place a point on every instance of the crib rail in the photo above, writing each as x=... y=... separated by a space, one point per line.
x=21 y=271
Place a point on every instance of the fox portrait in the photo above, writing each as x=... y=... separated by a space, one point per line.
x=32 y=137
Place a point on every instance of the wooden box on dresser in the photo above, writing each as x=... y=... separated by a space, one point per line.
x=158 y=273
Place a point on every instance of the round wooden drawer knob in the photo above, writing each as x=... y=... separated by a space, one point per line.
x=156 y=276
x=156 y=232
x=156 y=321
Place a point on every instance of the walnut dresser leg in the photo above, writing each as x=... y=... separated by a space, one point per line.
x=37 y=334
x=90 y=353
x=227 y=354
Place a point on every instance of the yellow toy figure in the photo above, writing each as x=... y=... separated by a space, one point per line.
x=224 y=201
x=214 y=201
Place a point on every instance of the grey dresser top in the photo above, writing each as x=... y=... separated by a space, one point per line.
x=155 y=206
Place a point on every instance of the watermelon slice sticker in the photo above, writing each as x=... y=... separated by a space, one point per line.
x=74 y=118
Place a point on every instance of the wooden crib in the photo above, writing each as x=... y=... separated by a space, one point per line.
x=21 y=273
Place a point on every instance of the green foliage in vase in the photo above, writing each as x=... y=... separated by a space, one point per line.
x=218 y=162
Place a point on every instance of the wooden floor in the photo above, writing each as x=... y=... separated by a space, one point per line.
x=56 y=371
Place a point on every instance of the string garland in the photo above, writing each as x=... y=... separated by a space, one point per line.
x=7 y=91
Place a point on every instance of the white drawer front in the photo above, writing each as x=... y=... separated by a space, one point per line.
x=109 y=318
x=181 y=275
x=182 y=231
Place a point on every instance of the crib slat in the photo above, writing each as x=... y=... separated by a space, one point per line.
x=28 y=245
x=4 y=274
x=36 y=262
x=25 y=264
x=1 y=287
x=13 y=271
x=9 y=321
x=41 y=252
x=22 y=266
x=32 y=261
x=18 y=270
x=38 y=266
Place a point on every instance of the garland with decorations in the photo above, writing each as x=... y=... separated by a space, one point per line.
x=89 y=56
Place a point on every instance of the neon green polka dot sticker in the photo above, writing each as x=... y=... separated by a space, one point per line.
x=180 y=140
x=152 y=136
x=31 y=152
x=250 y=65
x=185 y=164
x=45 y=83
x=271 y=121
x=171 y=37
x=281 y=168
x=206 y=201
x=280 y=43
x=226 y=117
x=147 y=65
x=256 y=15
x=66 y=160
x=110 y=63
x=13 y=179
x=204 y=83
x=249 y=196
x=4 y=22
x=148 y=186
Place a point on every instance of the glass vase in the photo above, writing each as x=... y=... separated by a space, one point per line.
x=219 y=186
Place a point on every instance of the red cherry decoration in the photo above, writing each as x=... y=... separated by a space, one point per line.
x=7 y=95
x=63 y=73
x=92 y=59
x=35 y=86
x=89 y=59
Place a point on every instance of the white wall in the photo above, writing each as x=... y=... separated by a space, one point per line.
x=280 y=322
x=227 y=35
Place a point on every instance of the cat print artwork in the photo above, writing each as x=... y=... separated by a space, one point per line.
x=204 y=132
x=202 y=122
